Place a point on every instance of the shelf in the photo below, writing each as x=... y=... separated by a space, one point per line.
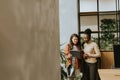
x=81 y=32
x=88 y=13
x=99 y=13
x=92 y=32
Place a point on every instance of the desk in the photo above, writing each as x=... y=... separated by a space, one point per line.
x=109 y=74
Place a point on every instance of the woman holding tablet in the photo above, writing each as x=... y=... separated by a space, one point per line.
x=72 y=61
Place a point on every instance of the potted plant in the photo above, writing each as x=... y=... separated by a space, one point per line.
x=108 y=31
x=107 y=27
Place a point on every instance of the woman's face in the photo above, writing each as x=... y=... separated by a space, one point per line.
x=86 y=38
x=75 y=40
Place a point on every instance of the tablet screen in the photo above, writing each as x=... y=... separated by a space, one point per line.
x=75 y=54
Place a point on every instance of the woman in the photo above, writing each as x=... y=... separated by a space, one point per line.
x=74 y=45
x=91 y=53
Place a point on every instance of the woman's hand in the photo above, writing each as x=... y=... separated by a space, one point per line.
x=68 y=56
x=85 y=56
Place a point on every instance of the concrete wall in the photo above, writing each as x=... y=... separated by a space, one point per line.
x=29 y=40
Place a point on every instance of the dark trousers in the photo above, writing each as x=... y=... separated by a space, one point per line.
x=90 y=71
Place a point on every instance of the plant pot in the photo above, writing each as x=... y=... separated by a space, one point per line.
x=116 y=56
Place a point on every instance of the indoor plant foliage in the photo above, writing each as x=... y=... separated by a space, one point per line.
x=108 y=27
x=66 y=71
x=62 y=64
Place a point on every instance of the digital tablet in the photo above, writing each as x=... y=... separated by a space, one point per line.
x=75 y=54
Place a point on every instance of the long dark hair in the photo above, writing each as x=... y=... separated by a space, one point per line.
x=71 y=43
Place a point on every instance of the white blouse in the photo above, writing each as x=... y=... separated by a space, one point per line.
x=93 y=51
x=75 y=48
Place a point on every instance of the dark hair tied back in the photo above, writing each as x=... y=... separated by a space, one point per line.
x=88 y=31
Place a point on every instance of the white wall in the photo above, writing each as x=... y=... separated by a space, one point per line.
x=68 y=19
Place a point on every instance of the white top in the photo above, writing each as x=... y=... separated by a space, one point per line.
x=75 y=48
x=93 y=51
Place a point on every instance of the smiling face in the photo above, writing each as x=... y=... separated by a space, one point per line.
x=86 y=38
x=75 y=40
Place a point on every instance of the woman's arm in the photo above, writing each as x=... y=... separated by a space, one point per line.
x=67 y=52
x=96 y=50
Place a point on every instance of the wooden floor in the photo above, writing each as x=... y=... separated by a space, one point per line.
x=109 y=74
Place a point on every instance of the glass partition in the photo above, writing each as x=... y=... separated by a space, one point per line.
x=94 y=14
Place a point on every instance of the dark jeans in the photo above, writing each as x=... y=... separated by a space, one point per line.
x=90 y=71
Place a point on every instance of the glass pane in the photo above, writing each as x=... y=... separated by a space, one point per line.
x=88 y=5
x=94 y=37
x=119 y=4
x=106 y=17
x=89 y=22
x=108 y=30
x=107 y=5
